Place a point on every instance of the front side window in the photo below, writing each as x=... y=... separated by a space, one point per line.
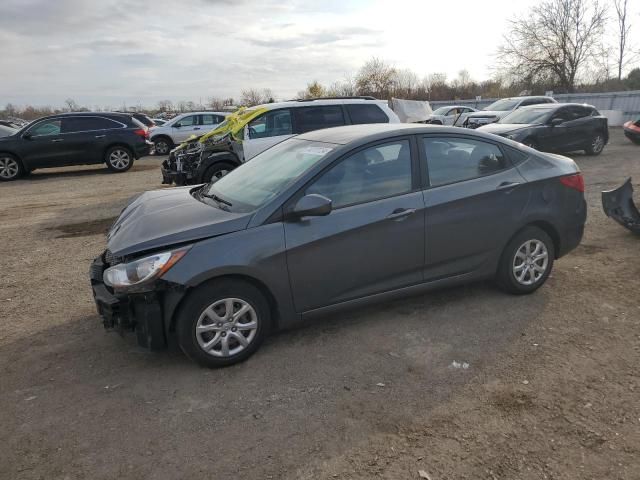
x=370 y=174
x=271 y=124
x=315 y=118
x=451 y=160
x=48 y=127
x=563 y=114
x=363 y=113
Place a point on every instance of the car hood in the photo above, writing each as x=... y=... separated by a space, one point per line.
x=161 y=218
x=502 y=128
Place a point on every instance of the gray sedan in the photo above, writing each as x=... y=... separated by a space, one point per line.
x=332 y=219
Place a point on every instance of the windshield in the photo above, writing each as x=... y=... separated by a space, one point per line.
x=528 y=115
x=502 y=105
x=268 y=174
x=441 y=111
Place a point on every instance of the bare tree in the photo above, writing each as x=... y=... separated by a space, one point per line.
x=314 y=90
x=253 y=96
x=344 y=88
x=624 y=27
x=554 y=41
x=215 y=103
x=71 y=104
x=165 y=105
x=376 y=78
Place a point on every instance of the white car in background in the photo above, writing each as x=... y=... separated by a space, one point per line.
x=449 y=115
x=180 y=128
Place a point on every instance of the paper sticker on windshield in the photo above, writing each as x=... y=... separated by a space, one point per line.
x=316 y=150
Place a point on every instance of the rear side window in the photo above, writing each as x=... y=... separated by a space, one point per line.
x=451 y=160
x=316 y=118
x=366 y=114
x=209 y=119
x=87 y=124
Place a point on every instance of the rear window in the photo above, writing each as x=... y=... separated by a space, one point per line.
x=366 y=114
x=316 y=118
x=87 y=124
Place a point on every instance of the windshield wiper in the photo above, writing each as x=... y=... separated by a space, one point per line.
x=213 y=196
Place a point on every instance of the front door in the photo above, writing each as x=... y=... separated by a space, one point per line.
x=265 y=131
x=44 y=144
x=185 y=127
x=474 y=200
x=372 y=241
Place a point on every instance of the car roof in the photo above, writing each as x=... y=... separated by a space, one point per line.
x=320 y=101
x=550 y=106
x=202 y=113
x=365 y=133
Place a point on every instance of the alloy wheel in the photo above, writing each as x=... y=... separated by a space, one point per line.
x=162 y=147
x=597 y=144
x=9 y=168
x=119 y=159
x=530 y=262
x=226 y=327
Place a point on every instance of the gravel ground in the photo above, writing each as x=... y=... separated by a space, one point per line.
x=464 y=383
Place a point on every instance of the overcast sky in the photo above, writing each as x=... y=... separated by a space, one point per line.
x=106 y=52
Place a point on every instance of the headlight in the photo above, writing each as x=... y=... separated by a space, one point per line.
x=137 y=274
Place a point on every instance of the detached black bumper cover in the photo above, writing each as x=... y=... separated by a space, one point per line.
x=141 y=312
x=618 y=204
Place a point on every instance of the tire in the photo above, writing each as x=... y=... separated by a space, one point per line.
x=518 y=280
x=118 y=159
x=531 y=143
x=11 y=167
x=217 y=170
x=596 y=144
x=204 y=327
x=163 y=145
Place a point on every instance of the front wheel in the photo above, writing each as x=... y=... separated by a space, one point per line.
x=118 y=159
x=596 y=145
x=526 y=262
x=10 y=167
x=223 y=322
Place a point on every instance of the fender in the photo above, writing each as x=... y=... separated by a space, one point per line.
x=618 y=204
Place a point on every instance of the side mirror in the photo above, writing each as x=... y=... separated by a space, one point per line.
x=177 y=125
x=27 y=136
x=312 y=205
x=556 y=121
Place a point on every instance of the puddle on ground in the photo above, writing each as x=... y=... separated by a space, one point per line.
x=83 y=229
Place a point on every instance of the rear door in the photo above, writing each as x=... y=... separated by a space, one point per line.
x=84 y=138
x=473 y=202
x=266 y=130
x=208 y=121
x=372 y=241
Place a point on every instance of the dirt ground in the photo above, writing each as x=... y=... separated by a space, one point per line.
x=464 y=383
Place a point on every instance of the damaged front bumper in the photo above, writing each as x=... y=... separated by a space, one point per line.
x=141 y=312
x=181 y=167
x=618 y=204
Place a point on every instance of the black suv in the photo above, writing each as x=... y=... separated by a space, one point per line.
x=74 y=139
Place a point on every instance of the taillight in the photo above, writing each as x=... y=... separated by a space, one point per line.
x=142 y=132
x=575 y=181
x=633 y=126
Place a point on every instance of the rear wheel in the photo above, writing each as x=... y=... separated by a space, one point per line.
x=596 y=145
x=10 y=167
x=162 y=145
x=223 y=322
x=119 y=159
x=526 y=262
x=217 y=171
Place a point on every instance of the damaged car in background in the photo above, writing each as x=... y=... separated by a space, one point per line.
x=250 y=131
x=500 y=109
x=618 y=204
x=632 y=130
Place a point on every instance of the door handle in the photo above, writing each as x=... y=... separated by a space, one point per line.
x=507 y=185
x=100 y=136
x=56 y=140
x=400 y=213
x=197 y=128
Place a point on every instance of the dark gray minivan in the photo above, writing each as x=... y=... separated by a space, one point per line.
x=332 y=219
